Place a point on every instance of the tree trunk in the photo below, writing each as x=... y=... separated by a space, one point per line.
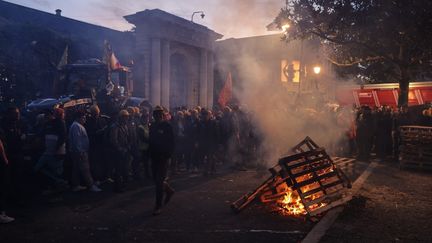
x=403 y=87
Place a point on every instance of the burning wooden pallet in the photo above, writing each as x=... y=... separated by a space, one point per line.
x=307 y=182
x=416 y=147
x=316 y=179
x=306 y=145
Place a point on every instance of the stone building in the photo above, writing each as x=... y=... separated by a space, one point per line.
x=174 y=59
x=288 y=65
x=36 y=40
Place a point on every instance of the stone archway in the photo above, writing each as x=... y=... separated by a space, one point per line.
x=157 y=37
x=179 y=76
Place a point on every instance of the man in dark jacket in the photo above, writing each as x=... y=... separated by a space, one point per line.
x=161 y=147
x=121 y=147
x=50 y=163
x=208 y=137
x=96 y=127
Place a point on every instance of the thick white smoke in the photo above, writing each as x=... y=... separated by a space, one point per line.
x=284 y=118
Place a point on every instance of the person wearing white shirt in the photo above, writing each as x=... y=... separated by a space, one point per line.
x=78 y=147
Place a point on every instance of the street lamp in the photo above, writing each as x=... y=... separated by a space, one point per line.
x=317 y=70
x=285 y=27
x=202 y=15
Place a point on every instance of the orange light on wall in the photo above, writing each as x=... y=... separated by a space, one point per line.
x=290 y=71
x=283 y=75
x=296 y=67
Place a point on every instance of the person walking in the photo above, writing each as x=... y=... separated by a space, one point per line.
x=161 y=147
x=79 y=146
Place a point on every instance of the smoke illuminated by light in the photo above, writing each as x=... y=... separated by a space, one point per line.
x=285 y=27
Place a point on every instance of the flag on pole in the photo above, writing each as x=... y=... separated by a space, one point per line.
x=114 y=62
x=226 y=92
x=107 y=52
x=64 y=58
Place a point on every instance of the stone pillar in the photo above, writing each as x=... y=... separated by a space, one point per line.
x=165 y=76
x=203 y=78
x=155 y=86
x=210 y=80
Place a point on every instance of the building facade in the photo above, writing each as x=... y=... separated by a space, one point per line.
x=174 y=59
x=288 y=65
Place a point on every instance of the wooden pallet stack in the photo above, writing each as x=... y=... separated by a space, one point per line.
x=416 y=147
x=310 y=172
x=313 y=175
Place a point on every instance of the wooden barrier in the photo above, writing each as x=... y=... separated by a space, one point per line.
x=416 y=147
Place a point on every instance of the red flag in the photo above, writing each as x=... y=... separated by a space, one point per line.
x=226 y=92
x=114 y=62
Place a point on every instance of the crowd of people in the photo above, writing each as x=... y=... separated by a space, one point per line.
x=82 y=149
x=376 y=131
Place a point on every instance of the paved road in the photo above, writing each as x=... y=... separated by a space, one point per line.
x=199 y=212
x=393 y=205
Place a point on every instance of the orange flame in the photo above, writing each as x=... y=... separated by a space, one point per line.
x=292 y=204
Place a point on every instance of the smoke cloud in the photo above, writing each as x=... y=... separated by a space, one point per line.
x=283 y=118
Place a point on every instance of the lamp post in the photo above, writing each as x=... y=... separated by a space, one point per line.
x=201 y=12
x=317 y=71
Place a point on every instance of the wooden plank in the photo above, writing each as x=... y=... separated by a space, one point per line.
x=302 y=155
x=308 y=162
x=320 y=189
x=308 y=142
x=246 y=199
x=333 y=204
x=308 y=171
x=324 y=197
x=315 y=179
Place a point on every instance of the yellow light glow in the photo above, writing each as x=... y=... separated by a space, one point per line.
x=285 y=27
x=317 y=69
x=296 y=66
x=284 y=77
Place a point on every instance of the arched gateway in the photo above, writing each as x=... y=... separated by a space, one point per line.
x=177 y=69
x=179 y=76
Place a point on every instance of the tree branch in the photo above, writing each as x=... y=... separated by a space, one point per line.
x=369 y=59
